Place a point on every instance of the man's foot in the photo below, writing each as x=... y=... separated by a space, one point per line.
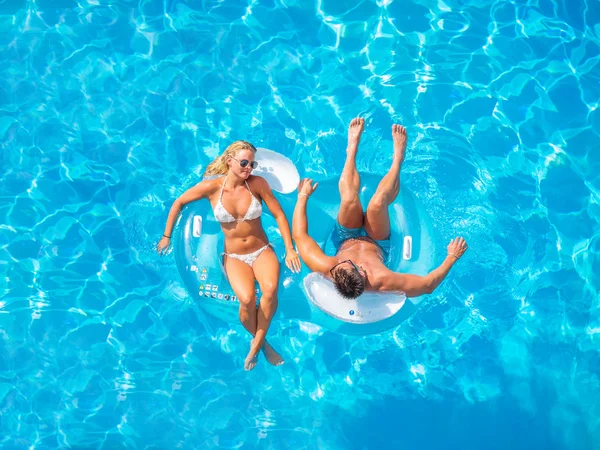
x=272 y=356
x=399 y=136
x=355 y=130
x=252 y=358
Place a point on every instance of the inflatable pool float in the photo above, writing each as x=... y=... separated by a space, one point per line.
x=198 y=243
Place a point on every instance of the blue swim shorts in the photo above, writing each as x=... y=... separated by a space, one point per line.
x=341 y=234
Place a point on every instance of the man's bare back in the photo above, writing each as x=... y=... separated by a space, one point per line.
x=362 y=238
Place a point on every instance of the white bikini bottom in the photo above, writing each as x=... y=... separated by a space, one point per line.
x=250 y=257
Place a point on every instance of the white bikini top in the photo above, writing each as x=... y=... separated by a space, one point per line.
x=223 y=216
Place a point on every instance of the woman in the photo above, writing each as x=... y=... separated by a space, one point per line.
x=236 y=200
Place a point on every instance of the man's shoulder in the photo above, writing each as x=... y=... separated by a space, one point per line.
x=380 y=277
x=321 y=262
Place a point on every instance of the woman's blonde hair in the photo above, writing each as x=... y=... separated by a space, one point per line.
x=219 y=165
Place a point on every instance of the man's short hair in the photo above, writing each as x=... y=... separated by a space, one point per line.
x=348 y=282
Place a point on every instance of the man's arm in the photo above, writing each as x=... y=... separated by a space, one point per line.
x=415 y=285
x=309 y=250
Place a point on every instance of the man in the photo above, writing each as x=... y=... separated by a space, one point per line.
x=363 y=239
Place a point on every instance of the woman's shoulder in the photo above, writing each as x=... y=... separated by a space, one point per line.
x=257 y=182
x=210 y=185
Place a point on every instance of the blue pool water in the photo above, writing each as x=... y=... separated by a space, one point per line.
x=110 y=109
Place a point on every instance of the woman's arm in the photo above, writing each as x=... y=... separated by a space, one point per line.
x=200 y=191
x=291 y=257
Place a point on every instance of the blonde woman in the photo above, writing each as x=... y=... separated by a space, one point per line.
x=236 y=199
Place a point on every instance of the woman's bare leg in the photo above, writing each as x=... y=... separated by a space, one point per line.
x=243 y=286
x=266 y=271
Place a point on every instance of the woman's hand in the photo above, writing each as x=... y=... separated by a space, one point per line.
x=292 y=260
x=163 y=245
x=457 y=247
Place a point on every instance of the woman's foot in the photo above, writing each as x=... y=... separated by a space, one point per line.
x=399 y=136
x=355 y=130
x=272 y=356
x=252 y=358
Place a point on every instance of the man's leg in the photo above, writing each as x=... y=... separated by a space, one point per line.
x=377 y=218
x=351 y=214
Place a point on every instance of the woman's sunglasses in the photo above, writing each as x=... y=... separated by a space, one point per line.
x=244 y=163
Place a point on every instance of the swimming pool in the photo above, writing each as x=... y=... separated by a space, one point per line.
x=109 y=110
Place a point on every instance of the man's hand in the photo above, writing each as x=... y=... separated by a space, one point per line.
x=306 y=187
x=457 y=247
